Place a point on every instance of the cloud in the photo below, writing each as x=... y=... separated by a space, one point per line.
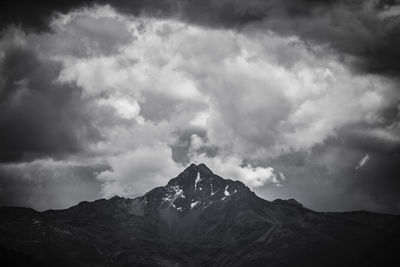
x=35 y=16
x=39 y=117
x=363 y=161
x=231 y=167
x=44 y=184
x=364 y=32
x=292 y=98
x=125 y=108
x=83 y=33
x=235 y=169
x=210 y=12
x=262 y=103
x=325 y=179
x=134 y=173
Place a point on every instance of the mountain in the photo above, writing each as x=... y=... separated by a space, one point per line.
x=197 y=219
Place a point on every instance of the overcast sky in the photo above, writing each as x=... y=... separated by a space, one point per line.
x=297 y=99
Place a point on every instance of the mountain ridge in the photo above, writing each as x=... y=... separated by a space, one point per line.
x=198 y=219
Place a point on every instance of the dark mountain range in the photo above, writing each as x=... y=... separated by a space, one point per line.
x=197 y=219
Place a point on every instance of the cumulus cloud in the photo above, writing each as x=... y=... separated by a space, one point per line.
x=234 y=168
x=292 y=98
x=79 y=34
x=134 y=173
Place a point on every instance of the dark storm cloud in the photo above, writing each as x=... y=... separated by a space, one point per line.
x=38 y=116
x=330 y=177
x=378 y=180
x=355 y=28
x=34 y=15
x=37 y=15
x=226 y=13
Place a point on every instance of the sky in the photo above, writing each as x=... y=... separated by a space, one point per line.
x=297 y=99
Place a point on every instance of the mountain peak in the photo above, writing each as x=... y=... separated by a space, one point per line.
x=204 y=169
x=201 y=168
x=196 y=187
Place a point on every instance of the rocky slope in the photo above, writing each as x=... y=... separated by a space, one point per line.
x=197 y=219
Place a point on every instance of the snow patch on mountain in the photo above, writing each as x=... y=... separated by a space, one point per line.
x=226 y=192
x=212 y=191
x=174 y=193
x=192 y=205
x=197 y=180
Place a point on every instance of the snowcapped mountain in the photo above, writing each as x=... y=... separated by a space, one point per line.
x=195 y=189
x=197 y=219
